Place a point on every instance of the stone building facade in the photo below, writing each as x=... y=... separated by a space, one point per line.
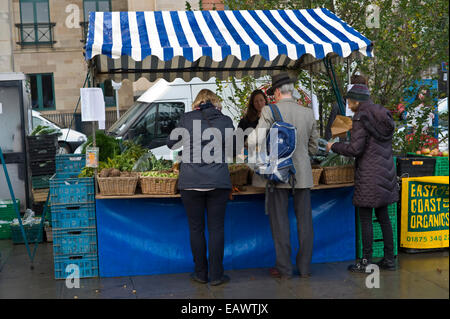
x=46 y=41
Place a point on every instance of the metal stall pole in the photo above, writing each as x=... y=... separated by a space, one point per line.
x=94 y=142
x=13 y=198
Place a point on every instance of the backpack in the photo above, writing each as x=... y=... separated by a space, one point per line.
x=276 y=165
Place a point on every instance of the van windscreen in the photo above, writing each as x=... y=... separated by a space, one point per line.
x=119 y=127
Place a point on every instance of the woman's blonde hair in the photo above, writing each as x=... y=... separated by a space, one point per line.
x=205 y=96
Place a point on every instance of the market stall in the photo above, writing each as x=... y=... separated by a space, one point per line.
x=147 y=233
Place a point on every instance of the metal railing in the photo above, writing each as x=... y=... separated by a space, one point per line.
x=36 y=33
x=63 y=120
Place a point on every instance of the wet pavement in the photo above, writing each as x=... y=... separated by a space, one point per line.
x=423 y=276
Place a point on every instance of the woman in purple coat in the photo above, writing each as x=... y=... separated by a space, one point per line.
x=375 y=177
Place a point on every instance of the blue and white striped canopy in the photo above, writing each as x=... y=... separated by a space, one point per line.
x=173 y=44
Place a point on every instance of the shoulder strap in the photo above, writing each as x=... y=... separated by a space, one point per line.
x=276 y=113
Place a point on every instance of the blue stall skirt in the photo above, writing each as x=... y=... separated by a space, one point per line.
x=151 y=236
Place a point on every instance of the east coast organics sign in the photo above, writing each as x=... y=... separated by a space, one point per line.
x=425 y=215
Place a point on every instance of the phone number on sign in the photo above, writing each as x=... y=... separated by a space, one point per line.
x=424 y=239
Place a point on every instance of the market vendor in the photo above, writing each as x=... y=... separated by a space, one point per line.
x=255 y=105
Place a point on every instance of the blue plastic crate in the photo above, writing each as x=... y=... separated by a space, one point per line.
x=74 y=241
x=87 y=265
x=73 y=216
x=71 y=190
x=70 y=163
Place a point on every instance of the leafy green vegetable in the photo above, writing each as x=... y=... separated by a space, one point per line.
x=108 y=145
x=160 y=174
x=45 y=130
x=337 y=160
x=148 y=162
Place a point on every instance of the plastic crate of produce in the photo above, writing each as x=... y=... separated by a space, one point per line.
x=33 y=232
x=87 y=265
x=42 y=144
x=415 y=166
x=441 y=168
x=5 y=229
x=46 y=154
x=42 y=168
x=73 y=216
x=71 y=190
x=40 y=182
x=74 y=241
x=378 y=245
x=70 y=163
x=7 y=211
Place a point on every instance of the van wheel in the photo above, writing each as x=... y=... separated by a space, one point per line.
x=64 y=148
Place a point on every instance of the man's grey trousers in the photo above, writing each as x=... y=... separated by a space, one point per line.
x=279 y=224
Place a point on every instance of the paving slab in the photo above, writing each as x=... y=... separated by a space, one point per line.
x=419 y=276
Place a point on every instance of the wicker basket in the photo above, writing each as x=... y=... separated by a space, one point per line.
x=158 y=185
x=338 y=174
x=316 y=172
x=113 y=186
x=239 y=176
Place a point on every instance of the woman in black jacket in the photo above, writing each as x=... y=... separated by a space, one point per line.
x=204 y=184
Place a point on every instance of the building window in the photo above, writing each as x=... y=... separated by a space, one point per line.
x=42 y=91
x=35 y=27
x=108 y=93
x=93 y=6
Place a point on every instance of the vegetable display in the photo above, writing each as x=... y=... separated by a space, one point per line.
x=108 y=145
x=337 y=160
x=149 y=162
x=160 y=174
x=45 y=130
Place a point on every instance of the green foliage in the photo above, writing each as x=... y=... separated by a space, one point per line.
x=237 y=101
x=411 y=135
x=412 y=38
x=108 y=145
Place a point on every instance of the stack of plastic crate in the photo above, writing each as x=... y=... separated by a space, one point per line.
x=7 y=214
x=73 y=218
x=42 y=150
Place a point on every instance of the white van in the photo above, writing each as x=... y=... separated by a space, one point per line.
x=157 y=112
x=151 y=119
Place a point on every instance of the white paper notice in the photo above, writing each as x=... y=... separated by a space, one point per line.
x=101 y=125
x=1 y=108
x=315 y=107
x=92 y=105
x=348 y=112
